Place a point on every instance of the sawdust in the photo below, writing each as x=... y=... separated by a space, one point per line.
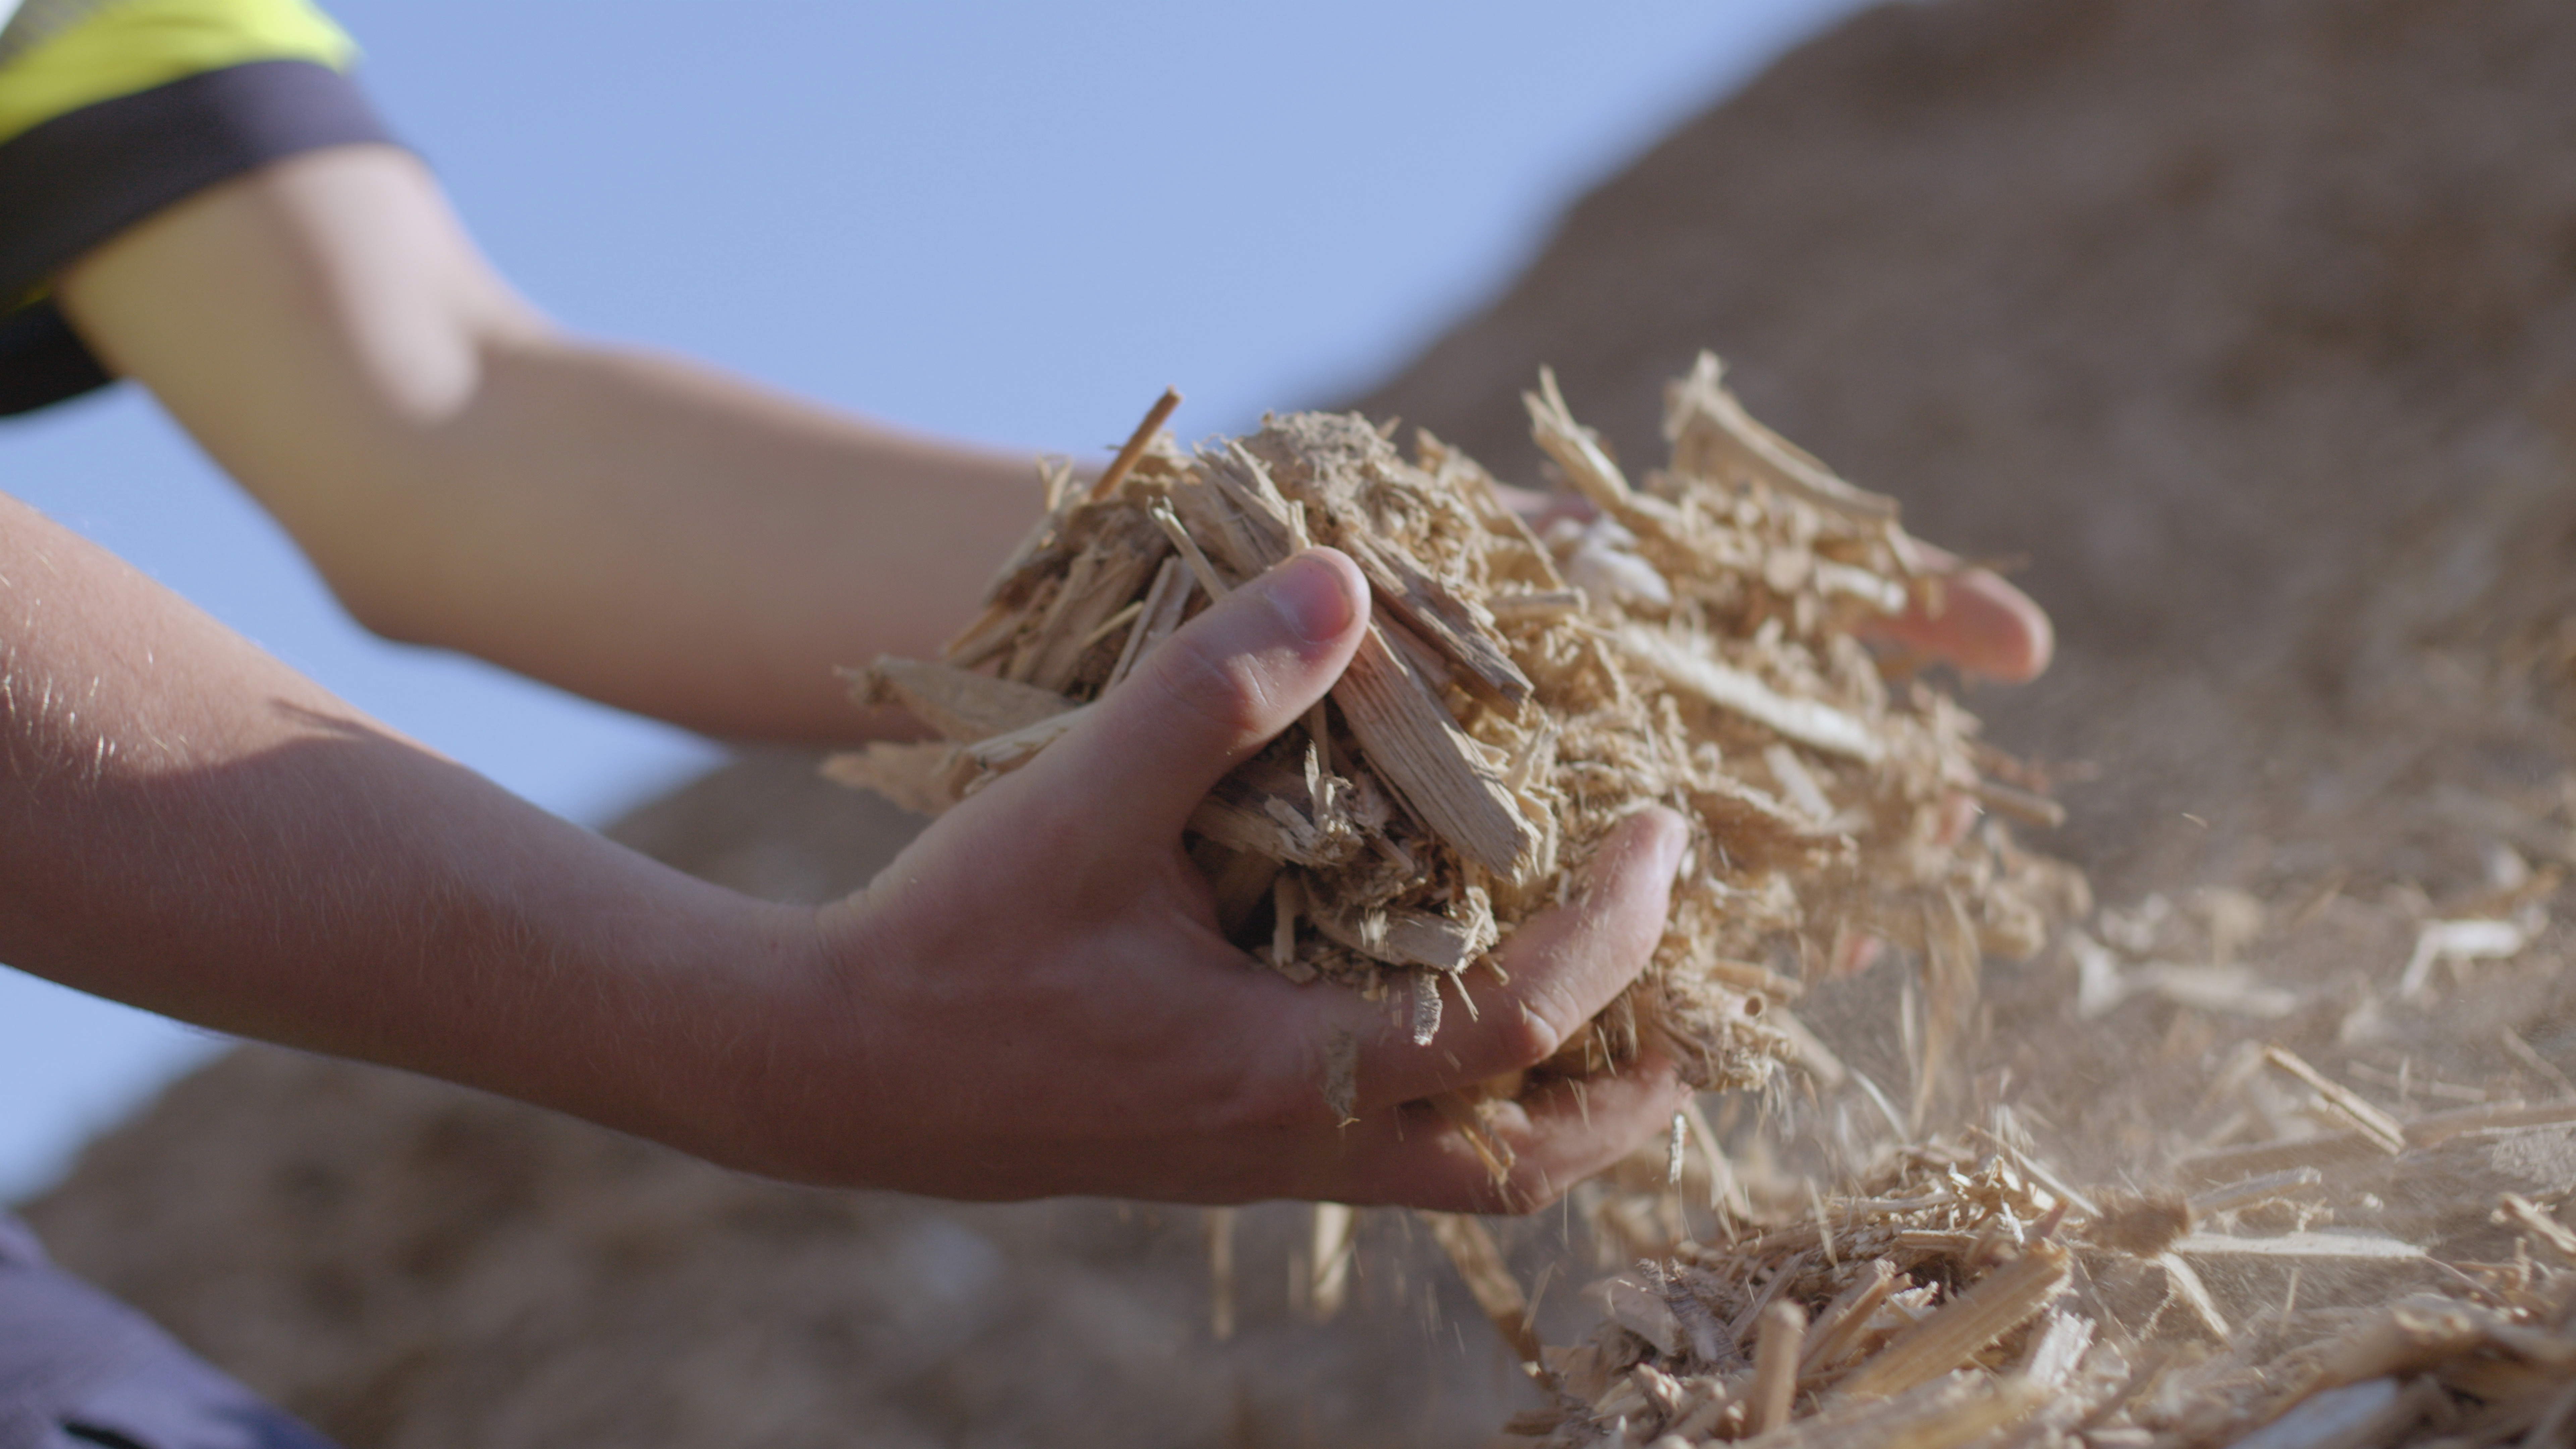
x=1515 y=697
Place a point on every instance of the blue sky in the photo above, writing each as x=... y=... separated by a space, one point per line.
x=1008 y=222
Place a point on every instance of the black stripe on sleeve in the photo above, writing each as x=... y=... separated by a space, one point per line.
x=43 y=361
x=70 y=183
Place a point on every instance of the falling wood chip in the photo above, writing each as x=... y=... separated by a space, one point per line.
x=1479 y=1261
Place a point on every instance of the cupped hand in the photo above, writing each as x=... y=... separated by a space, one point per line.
x=1035 y=998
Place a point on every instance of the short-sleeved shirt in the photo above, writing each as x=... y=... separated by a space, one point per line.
x=111 y=110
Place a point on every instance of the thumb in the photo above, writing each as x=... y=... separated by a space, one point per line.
x=1211 y=696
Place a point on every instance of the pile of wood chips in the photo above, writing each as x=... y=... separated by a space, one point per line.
x=1966 y=1295
x=1690 y=643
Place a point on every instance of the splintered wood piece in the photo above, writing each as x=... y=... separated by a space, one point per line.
x=2521 y=1212
x=1430 y=763
x=1170 y=523
x=2271 y=1187
x=1402 y=936
x=1882 y=594
x=2314 y=1245
x=1749 y=822
x=1753 y=980
x=1707 y=427
x=1945 y=1413
x=1536 y=605
x=1330 y=1249
x=1123 y=619
x=1841 y=1324
x=1287 y=902
x=2057 y=1349
x=1165 y=601
x=2439 y=1127
x=1136 y=444
x=1103 y=578
x=1462 y=1114
x=1783 y=1333
x=1003 y=753
x=989 y=635
x=1685 y=665
x=1262 y=807
x=2373 y=1412
x=1229 y=504
x=959 y=703
x=1575 y=448
x=2026 y=806
x=1992 y=1307
x=1479 y=1261
x=1445 y=622
x=2385 y=1131
x=2324 y=1152
x=2195 y=1295
x=913 y=777
x=1219 y=1222
x=1469 y=480
x=2425 y=1331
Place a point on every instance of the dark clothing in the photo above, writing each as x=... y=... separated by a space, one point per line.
x=79 y=1369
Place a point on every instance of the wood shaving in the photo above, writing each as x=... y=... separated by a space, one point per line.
x=1513 y=699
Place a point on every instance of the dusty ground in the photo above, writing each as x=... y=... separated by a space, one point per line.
x=2250 y=327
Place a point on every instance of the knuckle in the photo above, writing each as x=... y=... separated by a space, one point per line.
x=1218 y=690
x=1525 y=1192
x=1536 y=1025
x=1259 y=1098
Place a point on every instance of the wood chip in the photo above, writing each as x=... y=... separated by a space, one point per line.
x=2383 y=1130
x=1686 y=664
x=1958 y=1329
x=958 y=703
x=1775 y=1365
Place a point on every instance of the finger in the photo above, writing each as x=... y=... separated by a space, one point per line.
x=1977 y=621
x=1539 y=510
x=1208 y=698
x=1558 y=1134
x=1560 y=968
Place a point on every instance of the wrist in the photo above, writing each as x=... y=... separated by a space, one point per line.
x=767 y=1047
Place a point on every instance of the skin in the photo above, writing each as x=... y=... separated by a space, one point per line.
x=1034 y=998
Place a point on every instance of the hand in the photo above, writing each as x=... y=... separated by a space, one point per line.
x=1967 y=616
x=1972 y=618
x=1035 y=998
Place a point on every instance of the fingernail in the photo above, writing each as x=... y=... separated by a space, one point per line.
x=1313 y=597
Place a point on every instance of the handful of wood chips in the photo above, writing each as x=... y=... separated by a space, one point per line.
x=1519 y=692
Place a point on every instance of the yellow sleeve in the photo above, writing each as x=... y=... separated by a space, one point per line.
x=121 y=47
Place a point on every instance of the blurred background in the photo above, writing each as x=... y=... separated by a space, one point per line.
x=1013 y=223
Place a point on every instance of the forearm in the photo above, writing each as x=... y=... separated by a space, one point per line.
x=636 y=529
x=648 y=534
x=195 y=829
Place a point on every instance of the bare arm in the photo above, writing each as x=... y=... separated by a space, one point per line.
x=196 y=829
x=631 y=527
x=1033 y=999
